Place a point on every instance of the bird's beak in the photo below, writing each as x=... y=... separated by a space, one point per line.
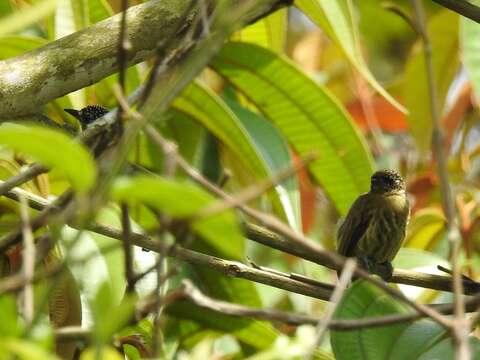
x=73 y=112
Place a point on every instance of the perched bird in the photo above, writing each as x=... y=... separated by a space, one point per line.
x=88 y=114
x=102 y=141
x=375 y=226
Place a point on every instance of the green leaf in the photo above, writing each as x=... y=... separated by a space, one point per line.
x=23 y=350
x=360 y=301
x=443 y=33
x=9 y=325
x=276 y=154
x=253 y=333
x=392 y=342
x=336 y=18
x=443 y=350
x=104 y=353
x=64 y=19
x=426 y=228
x=409 y=258
x=98 y=10
x=181 y=199
x=306 y=114
x=269 y=32
x=53 y=149
x=238 y=134
x=69 y=18
x=203 y=105
x=109 y=316
x=470 y=33
x=108 y=264
x=27 y=16
x=11 y=46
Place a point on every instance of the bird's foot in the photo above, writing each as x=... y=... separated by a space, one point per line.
x=384 y=270
x=366 y=263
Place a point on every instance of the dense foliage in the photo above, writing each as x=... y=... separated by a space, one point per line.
x=224 y=175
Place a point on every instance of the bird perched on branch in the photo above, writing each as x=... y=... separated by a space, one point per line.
x=89 y=115
x=375 y=226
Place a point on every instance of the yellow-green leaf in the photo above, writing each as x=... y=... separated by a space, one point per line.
x=336 y=19
x=181 y=199
x=443 y=33
x=307 y=115
x=53 y=149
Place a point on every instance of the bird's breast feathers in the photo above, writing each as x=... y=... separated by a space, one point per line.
x=398 y=202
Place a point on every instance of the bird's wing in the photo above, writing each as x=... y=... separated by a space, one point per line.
x=354 y=226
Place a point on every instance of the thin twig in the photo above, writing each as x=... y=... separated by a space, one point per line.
x=460 y=324
x=127 y=249
x=28 y=262
x=394 y=8
x=189 y=292
x=22 y=177
x=462 y=7
x=337 y=295
x=254 y=191
x=40 y=220
x=268 y=238
x=159 y=61
x=327 y=258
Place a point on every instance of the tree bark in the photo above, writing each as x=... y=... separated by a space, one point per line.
x=81 y=59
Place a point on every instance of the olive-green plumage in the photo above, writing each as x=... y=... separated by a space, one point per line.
x=375 y=226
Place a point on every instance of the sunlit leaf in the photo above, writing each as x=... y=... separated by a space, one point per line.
x=269 y=32
x=98 y=10
x=11 y=46
x=107 y=266
x=443 y=33
x=306 y=114
x=9 y=326
x=426 y=227
x=27 y=16
x=335 y=18
x=109 y=316
x=398 y=341
x=24 y=350
x=274 y=150
x=257 y=146
x=181 y=199
x=105 y=353
x=68 y=20
x=53 y=149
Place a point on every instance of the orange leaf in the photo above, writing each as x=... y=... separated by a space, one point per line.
x=387 y=117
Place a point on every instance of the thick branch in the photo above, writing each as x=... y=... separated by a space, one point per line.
x=231 y=268
x=275 y=241
x=437 y=282
x=81 y=59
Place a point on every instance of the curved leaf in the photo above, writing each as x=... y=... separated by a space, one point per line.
x=27 y=16
x=98 y=10
x=305 y=113
x=181 y=199
x=269 y=32
x=231 y=127
x=392 y=342
x=426 y=228
x=336 y=19
x=276 y=154
x=53 y=149
x=443 y=32
x=11 y=46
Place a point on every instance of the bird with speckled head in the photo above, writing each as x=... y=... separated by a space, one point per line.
x=375 y=225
